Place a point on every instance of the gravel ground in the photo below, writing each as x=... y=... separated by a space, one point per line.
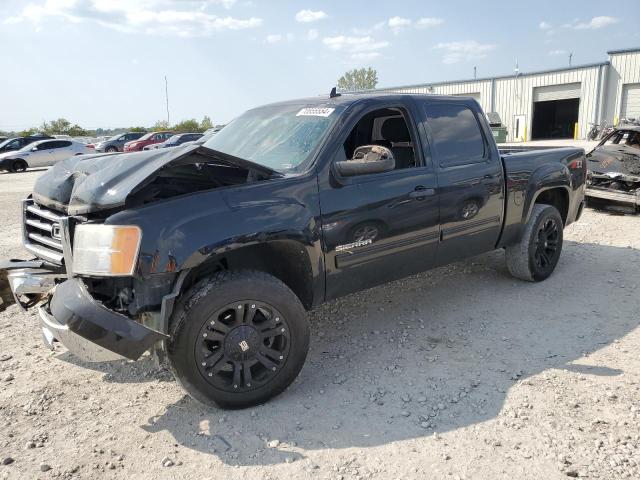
x=458 y=373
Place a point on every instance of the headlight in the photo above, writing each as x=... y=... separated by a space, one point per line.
x=106 y=250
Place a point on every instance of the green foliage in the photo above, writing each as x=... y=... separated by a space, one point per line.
x=187 y=126
x=206 y=123
x=137 y=129
x=358 y=79
x=160 y=125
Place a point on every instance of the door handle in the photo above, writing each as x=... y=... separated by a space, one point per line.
x=422 y=192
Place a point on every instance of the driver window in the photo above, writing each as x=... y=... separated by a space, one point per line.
x=386 y=127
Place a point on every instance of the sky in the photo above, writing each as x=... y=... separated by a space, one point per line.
x=102 y=63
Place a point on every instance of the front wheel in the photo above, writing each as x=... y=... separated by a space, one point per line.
x=238 y=338
x=535 y=257
x=19 y=166
x=111 y=149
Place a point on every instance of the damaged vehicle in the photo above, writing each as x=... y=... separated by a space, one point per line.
x=209 y=255
x=614 y=171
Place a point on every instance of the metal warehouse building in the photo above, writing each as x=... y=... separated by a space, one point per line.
x=554 y=103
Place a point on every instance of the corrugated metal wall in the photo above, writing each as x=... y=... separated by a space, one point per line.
x=625 y=70
x=514 y=96
x=601 y=88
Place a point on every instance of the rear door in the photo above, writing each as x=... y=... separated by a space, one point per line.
x=470 y=178
x=43 y=154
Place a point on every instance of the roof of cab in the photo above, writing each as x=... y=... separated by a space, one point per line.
x=346 y=99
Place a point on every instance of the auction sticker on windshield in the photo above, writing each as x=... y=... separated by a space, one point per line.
x=315 y=112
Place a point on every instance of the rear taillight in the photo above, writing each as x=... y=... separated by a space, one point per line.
x=576 y=164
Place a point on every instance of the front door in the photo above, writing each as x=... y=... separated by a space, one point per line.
x=379 y=227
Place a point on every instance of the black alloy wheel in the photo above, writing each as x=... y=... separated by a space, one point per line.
x=242 y=346
x=547 y=250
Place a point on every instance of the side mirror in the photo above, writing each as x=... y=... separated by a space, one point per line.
x=366 y=160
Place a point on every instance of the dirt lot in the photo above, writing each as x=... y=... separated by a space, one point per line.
x=459 y=373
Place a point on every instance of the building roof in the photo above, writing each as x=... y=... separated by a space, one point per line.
x=626 y=50
x=497 y=77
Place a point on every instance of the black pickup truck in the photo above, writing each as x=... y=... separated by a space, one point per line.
x=209 y=255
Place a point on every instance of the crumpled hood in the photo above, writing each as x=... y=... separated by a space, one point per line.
x=614 y=158
x=89 y=183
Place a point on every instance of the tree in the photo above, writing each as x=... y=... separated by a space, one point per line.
x=60 y=126
x=160 y=125
x=137 y=129
x=187 y=126
x=206 y=123
x=358 y=79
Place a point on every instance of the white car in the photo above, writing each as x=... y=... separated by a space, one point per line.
x=43 y=153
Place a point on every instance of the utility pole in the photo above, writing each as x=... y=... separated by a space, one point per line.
x=475 y=72
x=166 y=96
x=570 y=57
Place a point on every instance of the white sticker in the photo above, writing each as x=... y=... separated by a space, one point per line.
x=315 y=112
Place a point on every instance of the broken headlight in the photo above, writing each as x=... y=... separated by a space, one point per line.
x=106 y=250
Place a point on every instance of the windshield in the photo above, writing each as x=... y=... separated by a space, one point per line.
x=5 y=142
x=173 y=139
x=281 y=137
x=146 y=136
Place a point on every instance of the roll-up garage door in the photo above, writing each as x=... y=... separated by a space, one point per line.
x=556 y=92
x=631 y=101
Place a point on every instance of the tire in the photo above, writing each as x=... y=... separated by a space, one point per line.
x=243 y=358
x=111 y=149
x=530 y=259
x=19 y=166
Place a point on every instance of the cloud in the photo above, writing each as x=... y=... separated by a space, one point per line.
x=396 y=24
x=309 y=16
x=277 y=38
x=594 y=24
x=456 y=52
x=558 y=52
x=274 y=38
x=354 y=44
x=153 y=17
x=365 y=56
x=428 y=22
x=312 y=34
x=544 y=25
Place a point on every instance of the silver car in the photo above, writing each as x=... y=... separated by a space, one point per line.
x=41 y=154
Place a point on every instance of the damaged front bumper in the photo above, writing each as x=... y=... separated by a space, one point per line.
x=614 y=187
x=72 y=316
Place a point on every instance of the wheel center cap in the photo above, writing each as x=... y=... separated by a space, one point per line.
x=242 y=343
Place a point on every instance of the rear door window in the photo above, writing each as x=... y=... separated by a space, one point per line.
x=456 y=135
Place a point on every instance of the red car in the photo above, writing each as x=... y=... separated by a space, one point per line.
x=148 y=139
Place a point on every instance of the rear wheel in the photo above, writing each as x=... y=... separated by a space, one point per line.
x=238 y=338
x=535 y=257
x=111 y=149
x=19 y=166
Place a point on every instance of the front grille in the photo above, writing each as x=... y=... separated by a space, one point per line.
x=43 y=232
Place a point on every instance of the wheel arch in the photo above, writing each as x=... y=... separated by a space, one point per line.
x=286 y=259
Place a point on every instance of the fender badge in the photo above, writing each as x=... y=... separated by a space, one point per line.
x=349 y=246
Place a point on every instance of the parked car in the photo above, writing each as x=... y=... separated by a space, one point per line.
x=614 y=171
x=175 y=141
x=42 y=153
x=210 y=254
x=117 y=142
x=16 y=143
x=147 y=139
